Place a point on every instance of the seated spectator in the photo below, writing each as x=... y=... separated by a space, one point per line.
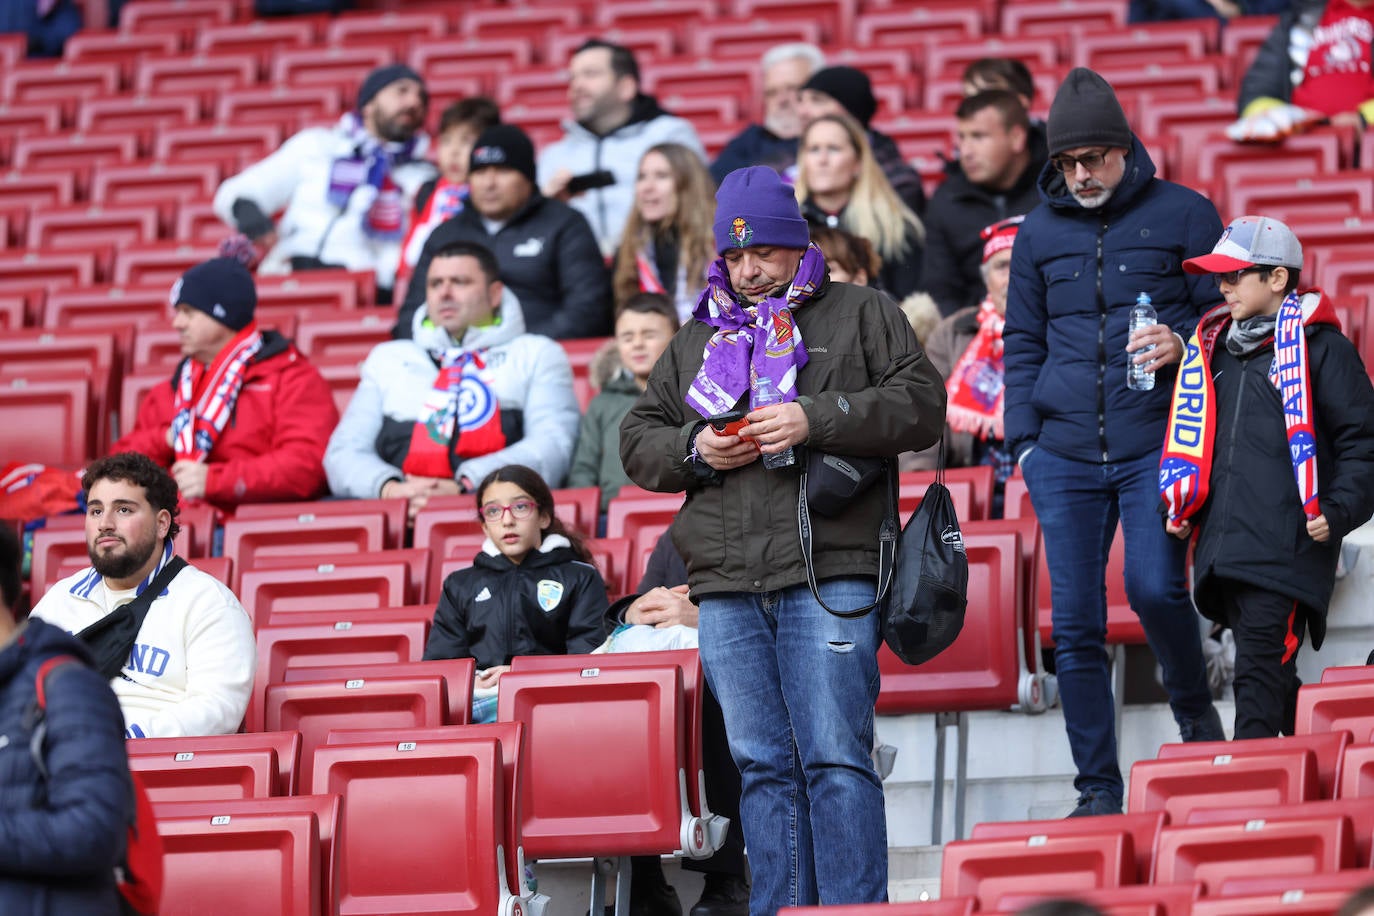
x=966 y=349
x=786 y=68
x=845 y=90
x=643 y=327
x=346 y=189
x=849 y=258
x=1165 y=10
x=65 y=828
x=533 y=589
x=441 y=198
x=994 y=177
x=613 y=124
x=546 y=251
x=244 y=418
x=188 y=666
x=1000 y=73
x=840 y=185
x=1314 y=67
x=667 y=244
x=469 y=392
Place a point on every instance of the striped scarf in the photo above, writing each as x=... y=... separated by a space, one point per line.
x=369 y=165
x=976 y=383
x=461 y=417
x=204 y=397
x=84 y=586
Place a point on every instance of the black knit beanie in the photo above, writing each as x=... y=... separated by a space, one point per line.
x=504 y=145
x=382 y=77
x=1086 y=112
x=848 y=86
x=221 y=288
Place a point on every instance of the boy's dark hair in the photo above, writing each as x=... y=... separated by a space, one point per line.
x=485 y=259
x=1294 y=278
x=138 y=469
x=477 y=112
x=1001 y=71
x=11 y=559
x=623 y=61
x=528 y=479
x=651 y=304
x=1007 y=103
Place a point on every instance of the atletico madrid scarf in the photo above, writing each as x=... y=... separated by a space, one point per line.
x=460 y=418
x=204 y=397
x=976 y=383
x=446 y=202
x=751 y=341
x=1186 y=464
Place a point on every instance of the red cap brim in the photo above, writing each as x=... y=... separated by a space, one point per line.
x=1215 y=264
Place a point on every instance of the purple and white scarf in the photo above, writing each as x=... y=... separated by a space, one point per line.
x=370 y=164
x=751 y=341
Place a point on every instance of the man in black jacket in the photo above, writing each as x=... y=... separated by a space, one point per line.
x=545 y=249
x=993 y=178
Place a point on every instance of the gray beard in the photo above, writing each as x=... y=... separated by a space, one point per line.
x=1094 y=203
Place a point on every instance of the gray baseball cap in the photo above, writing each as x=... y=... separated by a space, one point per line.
x=1250 y=241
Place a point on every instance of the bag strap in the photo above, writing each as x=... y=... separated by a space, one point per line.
x=887 y=546
x=40 y=723
x=136 y=610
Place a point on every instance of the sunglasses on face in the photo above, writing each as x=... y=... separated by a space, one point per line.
x=1231 y=278
x=521 y=508
x=1090 y=161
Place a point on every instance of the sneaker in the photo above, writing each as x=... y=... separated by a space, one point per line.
x=652 y=895
x=1206 y=727
x=723 y=895
x=1096 y=801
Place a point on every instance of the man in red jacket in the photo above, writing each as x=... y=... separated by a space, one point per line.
x=244 y=418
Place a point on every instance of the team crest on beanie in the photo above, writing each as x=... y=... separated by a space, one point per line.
x=741 y=233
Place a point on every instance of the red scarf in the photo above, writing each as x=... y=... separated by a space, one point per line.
x=444 y=203
x=204 y=397
x=460 y=418
x=976 y=384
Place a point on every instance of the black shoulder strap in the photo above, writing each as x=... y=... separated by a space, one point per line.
x=111 y=637
x=887 y=546
x=40 y=712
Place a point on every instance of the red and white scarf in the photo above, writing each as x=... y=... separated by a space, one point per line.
x=460 y=419
x=1186 y=464
x=977 y=382
x=446 y=202
x=204 y=397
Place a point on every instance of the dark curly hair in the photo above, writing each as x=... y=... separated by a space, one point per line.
x=528 y=479
x=141 y=471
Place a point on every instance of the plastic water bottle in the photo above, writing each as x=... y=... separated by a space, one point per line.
x=765 y=395
x=1142 y=316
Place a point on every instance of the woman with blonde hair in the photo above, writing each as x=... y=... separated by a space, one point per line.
x=840 y=185
x=668 y=242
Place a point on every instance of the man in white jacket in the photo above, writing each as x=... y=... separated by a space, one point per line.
x=613 y=125
x=346 y=190
x=191 y=668
x=468 y=393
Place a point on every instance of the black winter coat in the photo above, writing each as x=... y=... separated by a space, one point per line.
x=548 y=257
x=1252 y=527
x=60 y=839
x=550 y=604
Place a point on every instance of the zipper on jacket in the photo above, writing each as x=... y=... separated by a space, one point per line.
x=600 y=194
x=1101 y=352
x=1235 y=429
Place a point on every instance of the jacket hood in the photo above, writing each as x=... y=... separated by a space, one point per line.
x=509 y=324
x=554 y=550
x=643 y=108
x=621 y=382
x=1139 y=172
x=38 y=639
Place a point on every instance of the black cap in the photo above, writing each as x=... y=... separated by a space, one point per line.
x=382 y=77
x=503 y=145
x=221 y=288
x=848 y=86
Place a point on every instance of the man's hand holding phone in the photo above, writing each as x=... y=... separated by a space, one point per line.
x=720 y=445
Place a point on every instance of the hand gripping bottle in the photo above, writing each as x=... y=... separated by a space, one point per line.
x=765 y=395
x=1142 y=316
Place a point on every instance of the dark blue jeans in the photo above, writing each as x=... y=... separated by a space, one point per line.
x=1078 y=505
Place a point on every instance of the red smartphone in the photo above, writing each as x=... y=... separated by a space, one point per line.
x=729 y=424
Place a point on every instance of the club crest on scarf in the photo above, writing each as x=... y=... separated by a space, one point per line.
x=461 y=418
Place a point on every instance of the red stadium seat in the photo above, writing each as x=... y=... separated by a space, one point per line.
x=142 y=115
x=395 y=32
x=275 y=595
x=414 y=562
x=647 y=42
x=1345 y=674
x=519 y=22
x=77 y=152
x=1360 y=811
x=1330 y=707
x=158 y=263
x=157 y=182
x=1226 y=780
x=578 y=507
x=62 y=84
x=1348 y=880
x=11 y=312
x=471 y=57
x=1143 y=45
x=614 y=557
x=285 y=746
x=339 y=68
x=33 y=119
x=94 y=227
x=288 y=107
x=1143 y=828
x=917 y=27
x=949 y=57
x=1327 y=747
x=391 y=511
x=348 y=338
x=206 y=775
x=704 y=77
x=1048 y=17
x=456 y=673
x=748 y=37
x=1307 y=903
x=205 y=77
x=304 y=534
x=1357 y=776
x=990 y=869
x=105 y=306
x=951 y=906
x=47 y=421
x=263 y=39
x=183 y=18
x=229 y=146
x=676 y=15
x=1212 y=853
x=1130 y=900
x=123 y=49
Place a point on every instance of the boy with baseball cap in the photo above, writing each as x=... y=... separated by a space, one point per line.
x=1268 y=460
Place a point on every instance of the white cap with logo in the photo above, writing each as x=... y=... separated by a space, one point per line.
x=1250 y=241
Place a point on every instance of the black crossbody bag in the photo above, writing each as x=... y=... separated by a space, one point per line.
x=112 y=637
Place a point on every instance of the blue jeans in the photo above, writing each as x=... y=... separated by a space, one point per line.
x=1078 y=504
x=797 y=686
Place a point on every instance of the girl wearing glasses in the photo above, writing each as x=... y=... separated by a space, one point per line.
x=532 y=590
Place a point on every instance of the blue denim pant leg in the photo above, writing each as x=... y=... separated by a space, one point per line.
x=797 y=687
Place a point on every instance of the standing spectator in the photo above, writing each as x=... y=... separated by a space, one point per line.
x=1317 y=64
x=841 y=186
x=469 y=392
x=643 y=327
x=346 y=189
x=244 y=418
x=994 y=178
x=613 y=124
x=786 y=68
x=190 y=665
x=1267 y=545
x=797 y=684
x=845 y=90
x=1088 y=446
x=441 y=198
x=667 y=244
x=61 y=832
x=545 y=249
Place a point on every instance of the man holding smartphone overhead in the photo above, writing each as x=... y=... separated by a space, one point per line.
x=795 y=683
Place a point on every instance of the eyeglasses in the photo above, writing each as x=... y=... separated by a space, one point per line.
x=1090 y=161
x=521 y=508
x=1231 y=278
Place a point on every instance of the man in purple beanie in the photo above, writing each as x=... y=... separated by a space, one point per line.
x=805 y=362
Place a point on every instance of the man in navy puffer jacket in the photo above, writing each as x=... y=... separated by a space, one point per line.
x=61 y=837
x=1107 y=229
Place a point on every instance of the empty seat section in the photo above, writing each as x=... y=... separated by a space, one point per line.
x=1178 y=786
x=285 y=745
x=990 y=869
x=1210 y=854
